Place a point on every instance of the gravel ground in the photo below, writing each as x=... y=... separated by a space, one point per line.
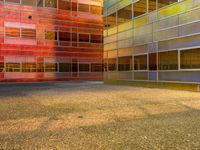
x=94 y=116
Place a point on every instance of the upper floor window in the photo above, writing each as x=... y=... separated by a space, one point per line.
x=96 y=10
x=39 y=3
x=51 y=35
x=83 y=8
x=64 y=36
x=13 y=1
x=28 y=33
x=140 y=8
x=96 y=38
x=124 y=14
x=84 y=38
x=152 y=5
x=111 y=20
x=163 y=3
x=12 y=32
x=51 y=3
x=28 y=2
x=23 y=33
x=64 y=4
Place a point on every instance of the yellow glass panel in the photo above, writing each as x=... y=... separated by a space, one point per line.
x=175 y=9
x=112 y=30
x=125 y=26
x=140 y=21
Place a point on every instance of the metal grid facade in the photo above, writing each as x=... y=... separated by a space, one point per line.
x=160 y=44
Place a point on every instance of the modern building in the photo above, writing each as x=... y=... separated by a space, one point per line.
x=152 y=41
x=42 y=40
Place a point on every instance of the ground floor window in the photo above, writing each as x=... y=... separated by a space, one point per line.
x=112 y=65
x=190 y=59
x=13 y=67
x=28 y=67
x=84 y=67
x=40 y=67
x=1 y=67
x=152 y=61
x=168 y=60
x=125 y=63
x=96 y=67
x=51 y=67
x=140 y=62
x=65 y=67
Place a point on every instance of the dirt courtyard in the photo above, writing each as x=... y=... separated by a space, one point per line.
x=94 y=116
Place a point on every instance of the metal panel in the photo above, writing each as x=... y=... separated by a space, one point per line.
x=191 y=41
x=125 y=43
x=141 y=75
x=125 y=76
x=125 y=35
x=186 y=76
x=110 y=46
x=140 y=49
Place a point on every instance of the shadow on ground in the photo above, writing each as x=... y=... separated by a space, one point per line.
x=96 y=116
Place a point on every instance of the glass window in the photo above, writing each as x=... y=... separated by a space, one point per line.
x=65 y=67
x=51 y=67
x=96 y=67
x=168 y=60
x=124 y=63
x=28 y=67
x=51 y=3
x=12 y=67
x=140 y=8
x=163 y=3
x=29 y=2
x=124 y=14
x=105 y=66
x=152 y=5
x=190 y=59
x=40 y=67
x=96 y=10
x=39 y=3
x=96 y=38
x=13 y=1
x=74 y=6
x=112 y=20
x=84 y=38
x=153 y=61
x=1 y=67
x=112 y=65
x=74 y=37
x=84 y=67
x=28 y=33
x=83 y=8
x=51 y=35
x=74 y=67
x=64 y=36
x=13 y=32
x=64 y=4
x=140 y=62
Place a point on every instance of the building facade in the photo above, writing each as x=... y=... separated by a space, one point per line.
x=152 y=40
x=42 y=40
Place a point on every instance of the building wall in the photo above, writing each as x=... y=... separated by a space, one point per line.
x=152 y=40
x=51 y=40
